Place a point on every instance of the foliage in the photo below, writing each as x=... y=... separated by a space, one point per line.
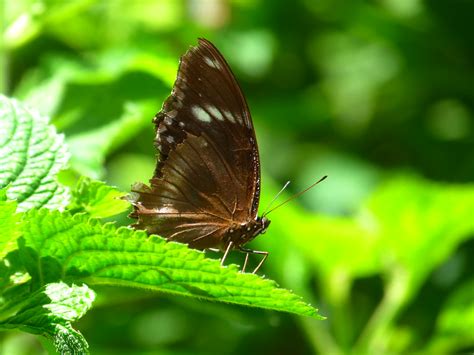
x=377 y=95
x=49 y=311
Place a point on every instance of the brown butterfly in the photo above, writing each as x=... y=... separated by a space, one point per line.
x=206 y=186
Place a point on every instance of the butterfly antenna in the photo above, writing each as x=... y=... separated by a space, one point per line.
x=295 y=195
x=274 y=199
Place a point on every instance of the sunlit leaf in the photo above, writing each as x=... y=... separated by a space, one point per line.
x=10 y=225
x=79 y=249
x=31 y=155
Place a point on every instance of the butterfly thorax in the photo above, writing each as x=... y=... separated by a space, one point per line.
x=240 y=234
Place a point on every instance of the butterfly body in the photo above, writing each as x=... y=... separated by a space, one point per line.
x=206 y=186
x=241 y=234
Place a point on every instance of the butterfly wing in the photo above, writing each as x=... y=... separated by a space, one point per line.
x=207 y=177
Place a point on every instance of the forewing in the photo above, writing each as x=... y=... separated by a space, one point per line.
x=207 y=99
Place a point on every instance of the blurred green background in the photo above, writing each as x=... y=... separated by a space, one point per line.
x=377 y=94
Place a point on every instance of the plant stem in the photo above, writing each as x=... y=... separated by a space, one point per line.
x=373 y=339
x=318 y=335
x=337 y=292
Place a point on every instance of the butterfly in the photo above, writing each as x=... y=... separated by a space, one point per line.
x=206 y=186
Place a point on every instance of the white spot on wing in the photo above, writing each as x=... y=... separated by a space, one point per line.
x=200 y=114
x=172 y=113
x=215 y=112
x=178 y=93
x=166 y=209
x=162 y=130
x=168 y=121
x=212 y=63
x=229 y=116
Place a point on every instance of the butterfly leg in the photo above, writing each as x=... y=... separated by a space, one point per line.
x=226 y=252
x=245 y=262
x=250 y=251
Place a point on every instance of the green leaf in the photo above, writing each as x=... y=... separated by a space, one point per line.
x=419 y=224
x=10 y=225
x=97 y=199
x=451 y=333
x=357 y=257
x=420 y=220
x=31 y=154
x=50 y=311
x=77 y=248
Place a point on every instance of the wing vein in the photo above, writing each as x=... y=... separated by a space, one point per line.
x=205 y=163
x=205 y=235
x=200 y=193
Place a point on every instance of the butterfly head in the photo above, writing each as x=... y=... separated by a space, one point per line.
x=263 y=222
x=245 y=232
x=257 y=227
